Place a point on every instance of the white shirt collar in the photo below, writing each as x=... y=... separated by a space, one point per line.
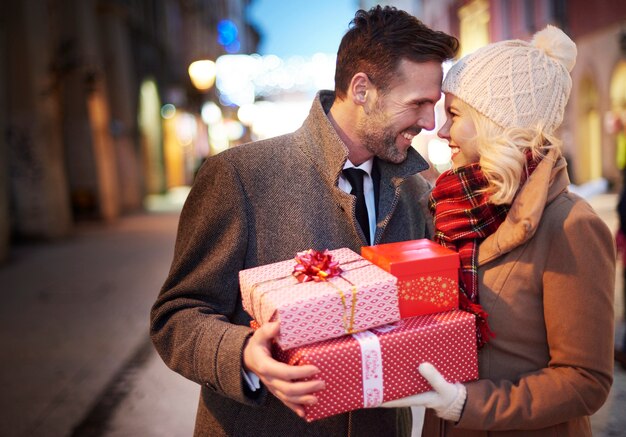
x=366 y=166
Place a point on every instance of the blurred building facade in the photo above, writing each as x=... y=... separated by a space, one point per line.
x=593 y=129
x=97 y=109
x=83 y=87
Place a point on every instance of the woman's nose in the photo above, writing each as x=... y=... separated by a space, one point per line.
x=444 y=131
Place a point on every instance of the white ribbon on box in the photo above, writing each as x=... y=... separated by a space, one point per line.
x=372 y=365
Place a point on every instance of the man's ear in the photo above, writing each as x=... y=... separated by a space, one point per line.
x=361 y=89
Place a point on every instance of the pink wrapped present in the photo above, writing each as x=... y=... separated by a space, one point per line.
x=378 y=365
x=360 y=297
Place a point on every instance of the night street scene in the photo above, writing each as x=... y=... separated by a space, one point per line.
x=110 y=108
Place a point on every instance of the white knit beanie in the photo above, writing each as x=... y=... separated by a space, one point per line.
x=516 y=83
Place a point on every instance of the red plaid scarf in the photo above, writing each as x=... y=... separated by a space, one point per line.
x=463 y=218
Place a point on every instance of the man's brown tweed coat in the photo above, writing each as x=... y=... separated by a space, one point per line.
x=256 y=204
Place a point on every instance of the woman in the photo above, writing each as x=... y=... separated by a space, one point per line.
x=537 y=258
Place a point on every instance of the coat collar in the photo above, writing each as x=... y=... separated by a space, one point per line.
x=321 y=143
x=547 y=181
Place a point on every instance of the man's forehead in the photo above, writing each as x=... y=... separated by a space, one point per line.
x=420 y=79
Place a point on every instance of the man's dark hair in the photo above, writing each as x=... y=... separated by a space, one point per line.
x=379 y=39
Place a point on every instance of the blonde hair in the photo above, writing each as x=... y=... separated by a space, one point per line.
x=503 y=153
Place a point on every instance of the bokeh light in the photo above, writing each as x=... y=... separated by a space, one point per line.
x=439 y=154
x=227 y=36
x=168 y=111
x=210 y=113
x=202 y=74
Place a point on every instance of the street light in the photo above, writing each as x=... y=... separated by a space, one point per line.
x=202 y=74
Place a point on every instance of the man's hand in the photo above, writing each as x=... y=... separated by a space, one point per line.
x=279 y=377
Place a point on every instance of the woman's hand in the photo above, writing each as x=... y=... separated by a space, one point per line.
x=446 y=399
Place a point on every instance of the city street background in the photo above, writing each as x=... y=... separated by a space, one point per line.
x=76 y=358
x=108 y=108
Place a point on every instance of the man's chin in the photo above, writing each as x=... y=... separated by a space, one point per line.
x=395 y=157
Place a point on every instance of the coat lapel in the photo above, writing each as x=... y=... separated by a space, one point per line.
x=391 y=178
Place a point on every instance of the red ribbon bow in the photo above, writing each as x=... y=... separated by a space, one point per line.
x=313 y=265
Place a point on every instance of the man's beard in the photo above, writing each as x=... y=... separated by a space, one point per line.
x=379 y=138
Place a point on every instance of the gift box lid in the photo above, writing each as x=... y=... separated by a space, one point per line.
x=411 y=257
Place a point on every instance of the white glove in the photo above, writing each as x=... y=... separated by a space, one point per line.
x=446 y=399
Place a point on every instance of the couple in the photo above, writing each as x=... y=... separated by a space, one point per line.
x=536 y=257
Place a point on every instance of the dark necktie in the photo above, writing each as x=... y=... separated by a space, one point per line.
x=355 y=177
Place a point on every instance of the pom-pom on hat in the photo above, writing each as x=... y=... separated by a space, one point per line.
x=517 y=83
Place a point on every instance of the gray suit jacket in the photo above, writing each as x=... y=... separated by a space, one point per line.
x=256 y=204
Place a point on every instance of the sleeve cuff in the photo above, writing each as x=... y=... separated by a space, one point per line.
x=453 y=412
x=251 y=379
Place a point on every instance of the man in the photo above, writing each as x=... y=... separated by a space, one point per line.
x=263 y=202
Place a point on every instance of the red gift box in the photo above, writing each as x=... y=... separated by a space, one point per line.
x=428 y=274
x=378 y=365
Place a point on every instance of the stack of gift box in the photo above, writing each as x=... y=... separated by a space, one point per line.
x=366 y=321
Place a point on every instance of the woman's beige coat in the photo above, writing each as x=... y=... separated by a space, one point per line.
x=547 y=281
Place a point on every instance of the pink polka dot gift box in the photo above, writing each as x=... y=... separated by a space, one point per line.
x=368 y=368
x=320 y=295
x=428 y=274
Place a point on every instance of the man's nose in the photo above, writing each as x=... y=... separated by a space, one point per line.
x=427 y=122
